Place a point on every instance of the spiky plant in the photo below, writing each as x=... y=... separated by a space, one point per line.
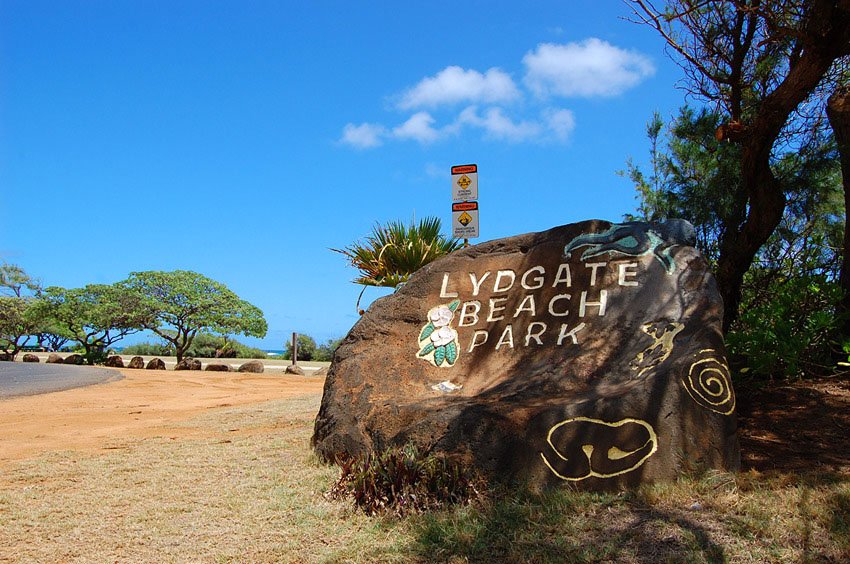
x=392 y=252
x=401 y=480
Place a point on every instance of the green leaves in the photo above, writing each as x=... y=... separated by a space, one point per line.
x=443 y=354
x=427 y=349
x=426 y=331
x=440 y=355
x=179 y=304
x=17 y=322
x=96 y=316
x=390 y=254
x=451 y=352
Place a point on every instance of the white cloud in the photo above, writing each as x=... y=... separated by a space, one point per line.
x=435 y=171
x=499 y=126
x=363 y=136
x=418 y=127
x=560 y=122
x=589 y=68
x=454 y=84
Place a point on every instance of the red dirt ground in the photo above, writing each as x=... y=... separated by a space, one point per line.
x=795 y=427
x=786 y=427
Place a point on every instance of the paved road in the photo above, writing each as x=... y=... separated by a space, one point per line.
x=26 y=379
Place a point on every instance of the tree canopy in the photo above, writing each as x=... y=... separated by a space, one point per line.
x=15 y=281
x=96 y=316
x=18 y=316
x=18 y=322
x=178 y=305
x=787 y=325
x=763 y=69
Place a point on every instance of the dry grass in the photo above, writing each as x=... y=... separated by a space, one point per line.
x=244 y=487
x=248 y=491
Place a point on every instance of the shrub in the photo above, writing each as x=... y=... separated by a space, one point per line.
x=399 y=481
x=204 y=345
x=325 y=352
x=148 y=349
x=392 y=252
x=306 y=348
x=787 y=327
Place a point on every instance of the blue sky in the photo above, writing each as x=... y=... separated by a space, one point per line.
x=242 y=140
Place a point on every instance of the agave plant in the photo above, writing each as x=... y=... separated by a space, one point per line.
x=392 y=252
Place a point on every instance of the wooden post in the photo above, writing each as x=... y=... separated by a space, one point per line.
x=294 y=348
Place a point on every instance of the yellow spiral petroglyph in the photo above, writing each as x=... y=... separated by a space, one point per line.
x=709 y=384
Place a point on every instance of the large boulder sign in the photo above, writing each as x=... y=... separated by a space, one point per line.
x=590 y=354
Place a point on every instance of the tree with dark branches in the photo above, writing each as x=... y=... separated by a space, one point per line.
x=766 y=67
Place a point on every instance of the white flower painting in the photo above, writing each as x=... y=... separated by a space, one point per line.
x=437 y=340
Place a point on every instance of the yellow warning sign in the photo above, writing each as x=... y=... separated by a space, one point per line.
x=465 y=220
x=465 y=183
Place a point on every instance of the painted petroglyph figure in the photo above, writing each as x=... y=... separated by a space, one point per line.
x=662 y=333
x=709 y=384
x=630 y=239
x=584 y=447
x=440 y=346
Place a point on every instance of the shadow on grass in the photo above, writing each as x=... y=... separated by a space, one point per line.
x=839 y=525
x=563 y=526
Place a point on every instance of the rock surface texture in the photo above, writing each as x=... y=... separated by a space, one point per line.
x=590 y=354
x=136 y=362
x=255 y=366
x=188 y=364
x=155 y=364
x=74 y=359
x=114 y=361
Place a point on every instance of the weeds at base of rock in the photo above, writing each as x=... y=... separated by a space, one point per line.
x=400 y=481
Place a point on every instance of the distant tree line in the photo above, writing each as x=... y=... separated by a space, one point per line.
x=204 y=345
x=309 y=350
x=177 y=306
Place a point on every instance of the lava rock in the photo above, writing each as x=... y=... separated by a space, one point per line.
x=114 y=361
x=74 y=359
x=188 y=364
x=589 y=355
x=254 y=366
x=155 y=364
x=136 y=362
